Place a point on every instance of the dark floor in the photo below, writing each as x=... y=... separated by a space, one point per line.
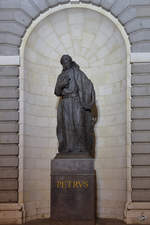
x=99 y=221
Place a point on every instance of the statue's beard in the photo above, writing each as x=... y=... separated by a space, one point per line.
x=67 y=66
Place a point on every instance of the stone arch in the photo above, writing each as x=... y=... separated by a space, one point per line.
x=20 y=14
x=23 y=13
x=23 y=69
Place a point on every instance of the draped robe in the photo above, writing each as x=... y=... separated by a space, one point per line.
x=74 y=118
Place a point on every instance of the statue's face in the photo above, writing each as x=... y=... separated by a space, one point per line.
x=66 y=62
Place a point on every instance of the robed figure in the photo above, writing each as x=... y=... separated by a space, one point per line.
x=74 y=117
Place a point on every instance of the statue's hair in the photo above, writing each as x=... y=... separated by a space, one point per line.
x=73 y=63
x=61 y=60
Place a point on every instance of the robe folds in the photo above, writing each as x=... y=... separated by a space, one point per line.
x=74 y=117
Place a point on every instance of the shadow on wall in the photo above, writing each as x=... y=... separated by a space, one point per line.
x=94 y=118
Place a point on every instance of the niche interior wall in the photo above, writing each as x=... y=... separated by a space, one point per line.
x=97 y=45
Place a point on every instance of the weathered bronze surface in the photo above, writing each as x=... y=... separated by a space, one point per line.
x=75 y=124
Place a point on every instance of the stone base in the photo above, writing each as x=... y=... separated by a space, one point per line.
x=76 y=222
x=138 y=213
x=72 y=155
x=73 y=191
x=11 y=213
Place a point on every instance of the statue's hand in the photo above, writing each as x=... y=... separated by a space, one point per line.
x=65 y=83
x=94 y=120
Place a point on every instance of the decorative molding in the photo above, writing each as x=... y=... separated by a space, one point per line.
x=138 y=205
x=140 y=57
x=74 y=1
x=11 y=206
x=11 y=213
x=137 y=213
x=9 y=60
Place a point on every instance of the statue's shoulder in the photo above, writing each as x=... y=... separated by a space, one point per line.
x=87 y=81
x=85 y=76
x=60 y=76
x=80 y=73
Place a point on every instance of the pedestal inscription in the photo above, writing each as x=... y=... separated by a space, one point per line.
x=73 y=190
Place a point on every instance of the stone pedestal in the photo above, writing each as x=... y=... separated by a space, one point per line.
x=73 y=191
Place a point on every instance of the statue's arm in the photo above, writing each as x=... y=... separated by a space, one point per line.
x=60 y=85
x=58 y=90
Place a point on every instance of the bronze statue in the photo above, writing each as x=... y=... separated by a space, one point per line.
x=74 y=117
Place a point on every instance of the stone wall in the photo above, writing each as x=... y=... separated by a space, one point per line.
x=97 y=45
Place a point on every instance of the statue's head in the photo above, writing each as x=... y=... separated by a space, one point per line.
x=66 y=61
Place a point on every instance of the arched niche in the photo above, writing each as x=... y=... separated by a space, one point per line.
x=98 y=46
